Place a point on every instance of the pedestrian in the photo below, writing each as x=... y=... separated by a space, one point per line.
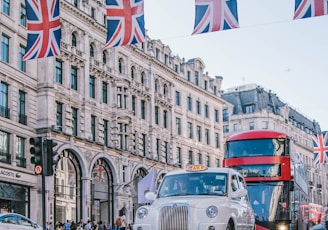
x=49 y=226
x=94 y=226
x=108 y=226
x=104 y=225
x=57 y=224
x=118 y=222
x=88 y=225
x=67 y=225
x=81 y=225
x=73 y=225
x=100 y=225
x=124 y=223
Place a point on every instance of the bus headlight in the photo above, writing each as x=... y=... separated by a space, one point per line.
x=142 y=213
x=282 y=226
x=212 y=211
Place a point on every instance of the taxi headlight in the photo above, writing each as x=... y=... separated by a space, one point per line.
x=212 y=211
x=142 y=213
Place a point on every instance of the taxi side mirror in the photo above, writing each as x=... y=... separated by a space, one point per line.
x=239 y=193
x=150 y=196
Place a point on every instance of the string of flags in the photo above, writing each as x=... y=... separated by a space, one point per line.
x=126 y=24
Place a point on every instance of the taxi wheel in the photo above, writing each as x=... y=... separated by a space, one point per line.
x=230 y=226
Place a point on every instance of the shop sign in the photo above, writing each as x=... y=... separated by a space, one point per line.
x=11 y=174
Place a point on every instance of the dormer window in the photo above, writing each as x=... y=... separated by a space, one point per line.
x=250 y=108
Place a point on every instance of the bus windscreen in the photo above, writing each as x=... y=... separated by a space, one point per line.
x=256 y=147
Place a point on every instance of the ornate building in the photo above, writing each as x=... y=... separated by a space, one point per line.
x=115 y=114
x=252 y=107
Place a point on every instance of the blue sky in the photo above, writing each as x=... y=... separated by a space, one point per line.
x=270 y=49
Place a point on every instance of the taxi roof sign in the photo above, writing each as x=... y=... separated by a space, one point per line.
x=196 y=168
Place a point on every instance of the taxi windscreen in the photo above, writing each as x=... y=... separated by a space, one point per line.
x=194 y=184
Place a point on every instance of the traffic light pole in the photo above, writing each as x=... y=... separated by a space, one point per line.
x=43 y=158
x=44 y=216
x=44 y=223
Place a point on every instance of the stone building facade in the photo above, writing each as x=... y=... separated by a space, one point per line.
x=115 y=114
x=253 y=107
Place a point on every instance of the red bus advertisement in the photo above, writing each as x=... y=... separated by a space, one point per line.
x=275 y=176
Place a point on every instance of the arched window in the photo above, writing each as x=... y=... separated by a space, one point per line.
x=102 y=191
x=73 y=40
x=68 y=189
x=156 y=85
x=120 y=65
x=92 y=51
x=165 y=92
x=140 y=173
x=143 y=78
x=133 y=72
x=104 y=58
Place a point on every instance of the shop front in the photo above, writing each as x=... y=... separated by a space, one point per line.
x=15 y=192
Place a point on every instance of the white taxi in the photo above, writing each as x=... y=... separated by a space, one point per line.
x=198 y=198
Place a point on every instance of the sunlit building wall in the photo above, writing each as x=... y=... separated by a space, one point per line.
x=115 y=114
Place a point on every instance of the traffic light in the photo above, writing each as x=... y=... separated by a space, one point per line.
x=37 y=152
x=50 y=157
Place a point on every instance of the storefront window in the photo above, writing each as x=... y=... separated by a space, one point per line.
x=14 y=198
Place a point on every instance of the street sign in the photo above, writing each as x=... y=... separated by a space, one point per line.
x=38 y=169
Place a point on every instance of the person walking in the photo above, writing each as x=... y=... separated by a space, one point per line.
x=118 y=222
x=88 y=225
x=100 y=225
x=73 y=225
x=67 y=225
x=124 y=224
x=49 y=226
x=81 y=225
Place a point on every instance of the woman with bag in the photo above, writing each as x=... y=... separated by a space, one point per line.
x=124 y=224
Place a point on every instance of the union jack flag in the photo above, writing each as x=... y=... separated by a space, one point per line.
x=310 y=8
x=125 y=22
x=215 y=15
x=99 y=173
x=43 y=29
x=320 y=148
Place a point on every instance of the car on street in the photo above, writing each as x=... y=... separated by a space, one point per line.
x=14 y=221
x=199 y=198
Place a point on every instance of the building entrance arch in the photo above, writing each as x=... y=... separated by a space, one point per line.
x=140 y=173
x=102 y=193
x=67 y=184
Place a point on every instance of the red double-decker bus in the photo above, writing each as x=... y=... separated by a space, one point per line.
x=275 y=175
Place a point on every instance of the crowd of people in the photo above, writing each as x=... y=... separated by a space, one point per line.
x=120 y=224
x=81 y=225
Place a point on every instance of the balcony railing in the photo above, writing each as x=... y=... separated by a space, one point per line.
x=5 y=157
x=4 y=112
x=21 y=162
x=22 y=119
